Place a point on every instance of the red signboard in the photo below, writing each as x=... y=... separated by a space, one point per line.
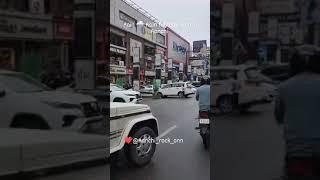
x=63 y=30
x=130 y=71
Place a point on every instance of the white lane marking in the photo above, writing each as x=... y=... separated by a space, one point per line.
x=166 y=132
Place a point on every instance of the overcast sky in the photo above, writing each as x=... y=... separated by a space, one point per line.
x=189 y=18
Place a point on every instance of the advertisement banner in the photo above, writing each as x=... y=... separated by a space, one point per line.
x=189 y=68
x=158 y=59
x=198 y=45
x=228 y=15
x=170 y=63
x=272 y=28
x=84 y=74
x=135 y=44
x=136 y=55
x=181 y=67
x=253 y=22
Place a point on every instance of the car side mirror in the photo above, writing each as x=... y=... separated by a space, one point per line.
x=2 y=93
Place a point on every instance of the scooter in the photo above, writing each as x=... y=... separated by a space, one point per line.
x=204 y=127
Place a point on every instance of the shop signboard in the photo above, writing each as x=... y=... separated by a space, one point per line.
x=114 y=69
x=26 y=28
x=150 y=73
x=158 y=59
x=36 y=6
x=189 y=68
x=181 y=67
x=63 y=30
x=148 y=34
x=277 y=6
x=253 y=22
x=135 y=44
x=228 y=15
x=117 y=50
x=170 y=63
x=130 y=71
x=84 y=74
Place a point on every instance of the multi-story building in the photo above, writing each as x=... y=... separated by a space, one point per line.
x=132 y=27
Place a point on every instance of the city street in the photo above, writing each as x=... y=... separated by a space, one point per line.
x=188 y=160
x=248 y=146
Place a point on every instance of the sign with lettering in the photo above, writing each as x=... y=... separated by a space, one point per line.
x=26 y=28
x=114 y=69
x=84 y=74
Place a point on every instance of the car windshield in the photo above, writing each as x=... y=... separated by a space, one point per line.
x=116 y=88
x=21 y=83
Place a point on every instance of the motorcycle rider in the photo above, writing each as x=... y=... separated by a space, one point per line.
x=297 y=108
x=203 y=95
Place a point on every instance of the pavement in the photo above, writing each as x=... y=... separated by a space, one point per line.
x=248 y=146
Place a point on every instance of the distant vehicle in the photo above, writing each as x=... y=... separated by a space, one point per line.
x=277 y=73
x=129 y=122
x=118 y=94
x=26 y=103
x=27 y=151
x=180 y=89
x=240 y=87
x=147 y=89
x=196 y=83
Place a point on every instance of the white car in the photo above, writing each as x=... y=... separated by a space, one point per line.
x=147 y=89
x=26 y=103
x=118 y=94
x=27 y=151
x=181 y=89
x=133 y=121
x=240 y=86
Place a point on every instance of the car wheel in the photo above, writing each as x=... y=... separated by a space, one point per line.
x=160 y=95
x=141 y=153
x=226 y=104
x=119 y=100
x=181 y=94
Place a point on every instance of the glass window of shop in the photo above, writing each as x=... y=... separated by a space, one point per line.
x=117 y=40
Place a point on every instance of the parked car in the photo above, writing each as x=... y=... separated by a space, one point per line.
x=133 y=121
x=147 y=89
x=26 y=103
x=118 y=94
x=277 y=73
x=181 y=89
x=27 y=151
x=240 y=86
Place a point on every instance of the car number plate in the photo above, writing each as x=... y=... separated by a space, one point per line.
x=204 y=121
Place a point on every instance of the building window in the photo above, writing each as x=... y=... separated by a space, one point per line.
x=117 y=40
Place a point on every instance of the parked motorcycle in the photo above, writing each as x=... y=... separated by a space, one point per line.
x=204 y=127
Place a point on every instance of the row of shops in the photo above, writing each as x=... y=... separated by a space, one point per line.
x=35 y=43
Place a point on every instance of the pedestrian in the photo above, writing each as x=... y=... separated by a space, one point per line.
x=297 y=108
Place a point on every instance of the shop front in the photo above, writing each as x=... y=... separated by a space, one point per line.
x=118 y=75
x=26 y=43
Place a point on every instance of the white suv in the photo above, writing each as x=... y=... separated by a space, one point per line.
x=118 y=94
x=129 y=122
x=181 y=89
x=241 y=86
x=26 y=103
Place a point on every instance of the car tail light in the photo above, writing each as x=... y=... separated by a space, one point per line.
x=203 y=114
x=300 y=168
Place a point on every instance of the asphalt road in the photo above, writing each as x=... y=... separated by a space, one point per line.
x=248 y=146
x=188 y=160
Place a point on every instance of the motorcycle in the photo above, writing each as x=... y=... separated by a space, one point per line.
x=204 y=127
